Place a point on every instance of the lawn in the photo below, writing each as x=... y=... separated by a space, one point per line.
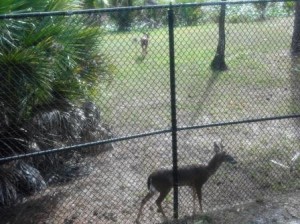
x=257 y=55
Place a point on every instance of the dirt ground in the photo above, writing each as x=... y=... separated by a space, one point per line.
x=115 y=198
x=283 y=209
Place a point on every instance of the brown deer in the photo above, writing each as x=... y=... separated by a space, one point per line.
x=144 y=43
x=193 y=176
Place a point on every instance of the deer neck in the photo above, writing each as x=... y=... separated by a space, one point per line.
x=213 y=165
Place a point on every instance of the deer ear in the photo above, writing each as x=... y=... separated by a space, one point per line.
x=216 y=147
x=221 y=145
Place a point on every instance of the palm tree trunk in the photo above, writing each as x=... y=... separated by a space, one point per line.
x=218 y=63
x=295 y=46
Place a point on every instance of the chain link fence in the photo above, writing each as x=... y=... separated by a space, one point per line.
x=86 y=99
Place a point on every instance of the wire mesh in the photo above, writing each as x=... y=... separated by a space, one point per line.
x=73 y=79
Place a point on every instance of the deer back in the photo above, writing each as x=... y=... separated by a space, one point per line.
x=189 y=175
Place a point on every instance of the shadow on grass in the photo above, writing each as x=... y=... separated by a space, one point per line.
x=140 y=59
x=208 y=91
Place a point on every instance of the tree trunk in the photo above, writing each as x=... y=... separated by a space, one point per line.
x=218 y=63
x=295 y=46
x=261 y=7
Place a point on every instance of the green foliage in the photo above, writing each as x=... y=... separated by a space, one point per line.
x=188 y=15
x=261 y=5
x=123 y=18
x=46 y=58
x=184 y=16
x=47 y=65
x=17 y=6
x=289 y=6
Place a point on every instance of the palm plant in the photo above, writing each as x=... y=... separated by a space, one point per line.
x=47 y=66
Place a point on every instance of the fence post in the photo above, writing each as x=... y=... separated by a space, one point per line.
x=173 y=108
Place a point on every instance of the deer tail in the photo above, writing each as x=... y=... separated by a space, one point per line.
x=150 y=185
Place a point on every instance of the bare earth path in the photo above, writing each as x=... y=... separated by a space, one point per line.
x=283 y=209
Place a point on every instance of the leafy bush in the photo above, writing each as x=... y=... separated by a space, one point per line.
x=48 y=65
x=188 y=16
x=43 y=60
x=289 y=6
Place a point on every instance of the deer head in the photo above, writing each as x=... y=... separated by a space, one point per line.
x=222 y=155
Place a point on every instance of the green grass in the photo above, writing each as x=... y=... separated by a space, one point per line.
x=258 y=61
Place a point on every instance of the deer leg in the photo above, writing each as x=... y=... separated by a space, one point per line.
x=194 y=201
x=144 y=51
x=199 y=194
x=160 y=199
x=144 y=201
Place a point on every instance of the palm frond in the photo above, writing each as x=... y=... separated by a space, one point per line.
x=8 y=190
x=20 y=6
x=13 y=141
x=29 y=180
x=18 y=179
x=48 y=64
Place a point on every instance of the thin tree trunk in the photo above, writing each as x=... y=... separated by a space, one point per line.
x=295 y=46
x=262 y=10
x=218 y=63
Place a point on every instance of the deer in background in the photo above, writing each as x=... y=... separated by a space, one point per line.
x=144 y=43
x=194 y=176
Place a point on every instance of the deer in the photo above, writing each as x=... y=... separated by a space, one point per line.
x=193 y=176
x=144 y=43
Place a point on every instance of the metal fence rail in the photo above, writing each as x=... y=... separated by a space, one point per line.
x=93 y=101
